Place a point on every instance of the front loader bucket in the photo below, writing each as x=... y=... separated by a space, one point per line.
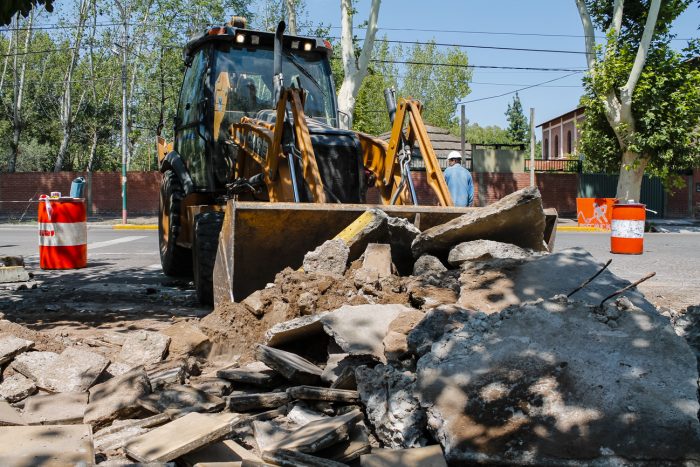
x=260 y=239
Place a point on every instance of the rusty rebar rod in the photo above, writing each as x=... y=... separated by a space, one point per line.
x=590 y=279
x=622 y=290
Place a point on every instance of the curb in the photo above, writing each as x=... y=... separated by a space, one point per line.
x=134 y=227
x=576 y=228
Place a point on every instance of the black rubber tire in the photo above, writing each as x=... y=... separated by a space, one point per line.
x=205 y=243
x=175 y=260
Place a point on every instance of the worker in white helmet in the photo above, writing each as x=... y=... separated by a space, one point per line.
x=459 y=180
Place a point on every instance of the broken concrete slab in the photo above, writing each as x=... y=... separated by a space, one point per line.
x=9 y=416
x=256 y=303
x=46 y=445
x=187 y=339
x=348 y=450
x=286 y=457
x=13 y=274
x=320 y=434
x=180 y=398
x=256 y=373
x=267 y=433
x=329 y=258
x=305 y=327
x=301 y=414
x=167 y=372
x=483 y=250
x=377 y=258
x=433 y=325
x=221 y=454
x=360 y=329
x=74 y=370
x=121 y=431
x=429 y=456
x=174 y=439
x=401 y=235
x=117 y=398
x=291 y=366
x=396 y=340
x=144 y=348
x=218 y=387
x=370 y=227
x=495 y=285
x=428 y=265
x=323 y=394
x=11 y=346
x=16 y=387
x=65 y=408
x=391 y=406
x=555 y=380
x=516 y=218
x=248 y=402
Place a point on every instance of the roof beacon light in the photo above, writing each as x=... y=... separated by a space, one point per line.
x=240 y=38
x=307 y=46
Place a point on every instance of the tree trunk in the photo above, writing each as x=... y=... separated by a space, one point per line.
x=18 y=91
x=66 y=116
x=355 y=68
x=629 y=183
x=292 y=16
x=93 y=151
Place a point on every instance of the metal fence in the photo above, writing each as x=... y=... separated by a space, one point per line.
x=555 y=165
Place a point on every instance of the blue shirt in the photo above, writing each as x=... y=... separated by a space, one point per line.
x=459 y=182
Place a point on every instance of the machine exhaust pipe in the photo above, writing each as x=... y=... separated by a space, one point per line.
x=277 y=78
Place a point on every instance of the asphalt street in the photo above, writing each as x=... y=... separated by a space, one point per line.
x=131 y=257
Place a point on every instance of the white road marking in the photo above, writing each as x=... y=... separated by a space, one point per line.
x=116 y=241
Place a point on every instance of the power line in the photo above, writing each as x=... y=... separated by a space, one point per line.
x=457 y=65
x=493 y=33
x=468 y=46
x=30 y=52
x=518 y=90
x=58 y=26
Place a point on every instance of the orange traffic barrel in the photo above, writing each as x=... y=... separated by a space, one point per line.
x=62 y=233
x=627 y=227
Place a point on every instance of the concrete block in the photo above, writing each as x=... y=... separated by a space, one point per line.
x=144 y=348
x=266 y=400
x=16 y=387
x=429 y=456
x=291 y=366
x=187 y=339
x=305 y=327
x=320 y=434
x=377 y=258
x=11 y=346
x=180 y=398
x=256 y=373
x=117 y=398
x=221 y=453
x=286 y=457
x=9 y=416
x=13 y=274
x=181 y=436
x=46 y=445
x=74 y=370
x=329 y=258
x=66 y=408
x=323 y=394
x=121 y=431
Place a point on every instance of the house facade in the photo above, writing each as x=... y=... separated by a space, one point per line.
x=559 y=135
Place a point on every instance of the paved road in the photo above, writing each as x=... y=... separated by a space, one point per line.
x=131 y=257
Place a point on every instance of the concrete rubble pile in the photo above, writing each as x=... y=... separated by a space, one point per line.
x=455 y=345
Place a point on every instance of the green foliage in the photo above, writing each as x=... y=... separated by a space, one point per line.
x=518 y=125
x=437 y=87
x=371 y=115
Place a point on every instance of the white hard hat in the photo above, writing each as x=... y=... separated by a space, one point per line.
x=454 y=155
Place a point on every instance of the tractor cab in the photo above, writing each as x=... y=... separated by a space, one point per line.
x=229 y=75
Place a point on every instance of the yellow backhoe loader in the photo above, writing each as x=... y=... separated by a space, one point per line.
x=260 y=172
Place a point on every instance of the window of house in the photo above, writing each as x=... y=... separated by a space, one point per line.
x=568 y=142
x=546 y=148
x=556 y=145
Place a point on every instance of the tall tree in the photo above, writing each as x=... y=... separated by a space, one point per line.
x=66 y=116
x=354 y=66
x=646 y=93
x=518 y=124
x=18 y=73
x=437 y=87
x=370 y=114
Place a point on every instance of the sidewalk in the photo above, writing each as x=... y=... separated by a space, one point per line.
x=687 y=225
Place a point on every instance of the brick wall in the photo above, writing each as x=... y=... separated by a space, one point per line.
x=17 y=189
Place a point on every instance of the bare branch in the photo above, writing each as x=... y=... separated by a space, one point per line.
x=616 y=24
x=371 y=33
x=346 y=46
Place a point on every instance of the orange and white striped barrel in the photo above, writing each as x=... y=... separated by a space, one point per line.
x=62 y=233
x=627 y=227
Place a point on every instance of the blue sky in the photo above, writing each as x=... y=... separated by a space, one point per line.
x=504 y=16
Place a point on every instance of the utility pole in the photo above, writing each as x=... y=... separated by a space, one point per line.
x=124 y=141
x=532 y=146
x=463 y=132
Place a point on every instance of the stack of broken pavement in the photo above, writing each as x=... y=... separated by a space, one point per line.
x=473 y=355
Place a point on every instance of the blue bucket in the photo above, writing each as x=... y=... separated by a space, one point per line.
x=77 y=187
